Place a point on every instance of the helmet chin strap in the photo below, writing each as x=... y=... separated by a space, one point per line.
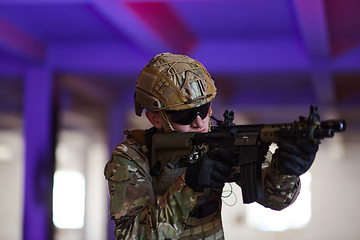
x=169 y=127
x=210 y=114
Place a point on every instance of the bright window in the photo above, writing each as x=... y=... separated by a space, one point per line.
x=68 y=199
x=295 y=216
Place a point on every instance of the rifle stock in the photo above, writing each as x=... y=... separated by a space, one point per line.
x=249 y=142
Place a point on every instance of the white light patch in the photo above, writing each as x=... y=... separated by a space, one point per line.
x=68 y=199
x=296 y=216
x=6 y=153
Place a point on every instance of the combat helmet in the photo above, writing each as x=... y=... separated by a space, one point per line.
x=172 y=82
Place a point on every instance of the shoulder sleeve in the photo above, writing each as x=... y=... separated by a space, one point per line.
x=133 y=207
x=280 y=191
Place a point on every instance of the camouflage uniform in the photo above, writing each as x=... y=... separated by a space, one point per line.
x=164 y=207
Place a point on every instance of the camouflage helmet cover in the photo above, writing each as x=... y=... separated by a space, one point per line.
x=173 y=82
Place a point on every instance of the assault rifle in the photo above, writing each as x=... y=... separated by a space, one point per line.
x=249 y=142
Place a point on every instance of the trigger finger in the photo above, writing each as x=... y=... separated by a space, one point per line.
x=219 y=177
x=224 y=169
x=226 y=156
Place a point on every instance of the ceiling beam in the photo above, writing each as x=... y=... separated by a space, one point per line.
x=313 y=27
x=22 y=2
x=16 y=41
x=129 y=24
x=166 y=23
x=92 y=88
x=344 y=25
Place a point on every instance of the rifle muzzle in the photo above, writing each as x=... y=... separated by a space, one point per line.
x=336 y=125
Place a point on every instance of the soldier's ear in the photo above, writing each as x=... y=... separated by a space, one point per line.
x=155 y=119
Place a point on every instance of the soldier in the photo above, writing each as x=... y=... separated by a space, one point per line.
x=182 y=200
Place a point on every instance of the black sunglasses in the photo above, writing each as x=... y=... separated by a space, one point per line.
x=187 y=116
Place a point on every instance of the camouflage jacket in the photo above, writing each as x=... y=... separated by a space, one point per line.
x=146 y=207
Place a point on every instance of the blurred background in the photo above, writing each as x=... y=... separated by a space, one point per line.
x=68 y=69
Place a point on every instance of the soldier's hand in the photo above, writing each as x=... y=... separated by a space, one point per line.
x=211 y=170
x=295 y=157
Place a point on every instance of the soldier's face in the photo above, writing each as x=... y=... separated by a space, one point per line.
x=198 y=125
